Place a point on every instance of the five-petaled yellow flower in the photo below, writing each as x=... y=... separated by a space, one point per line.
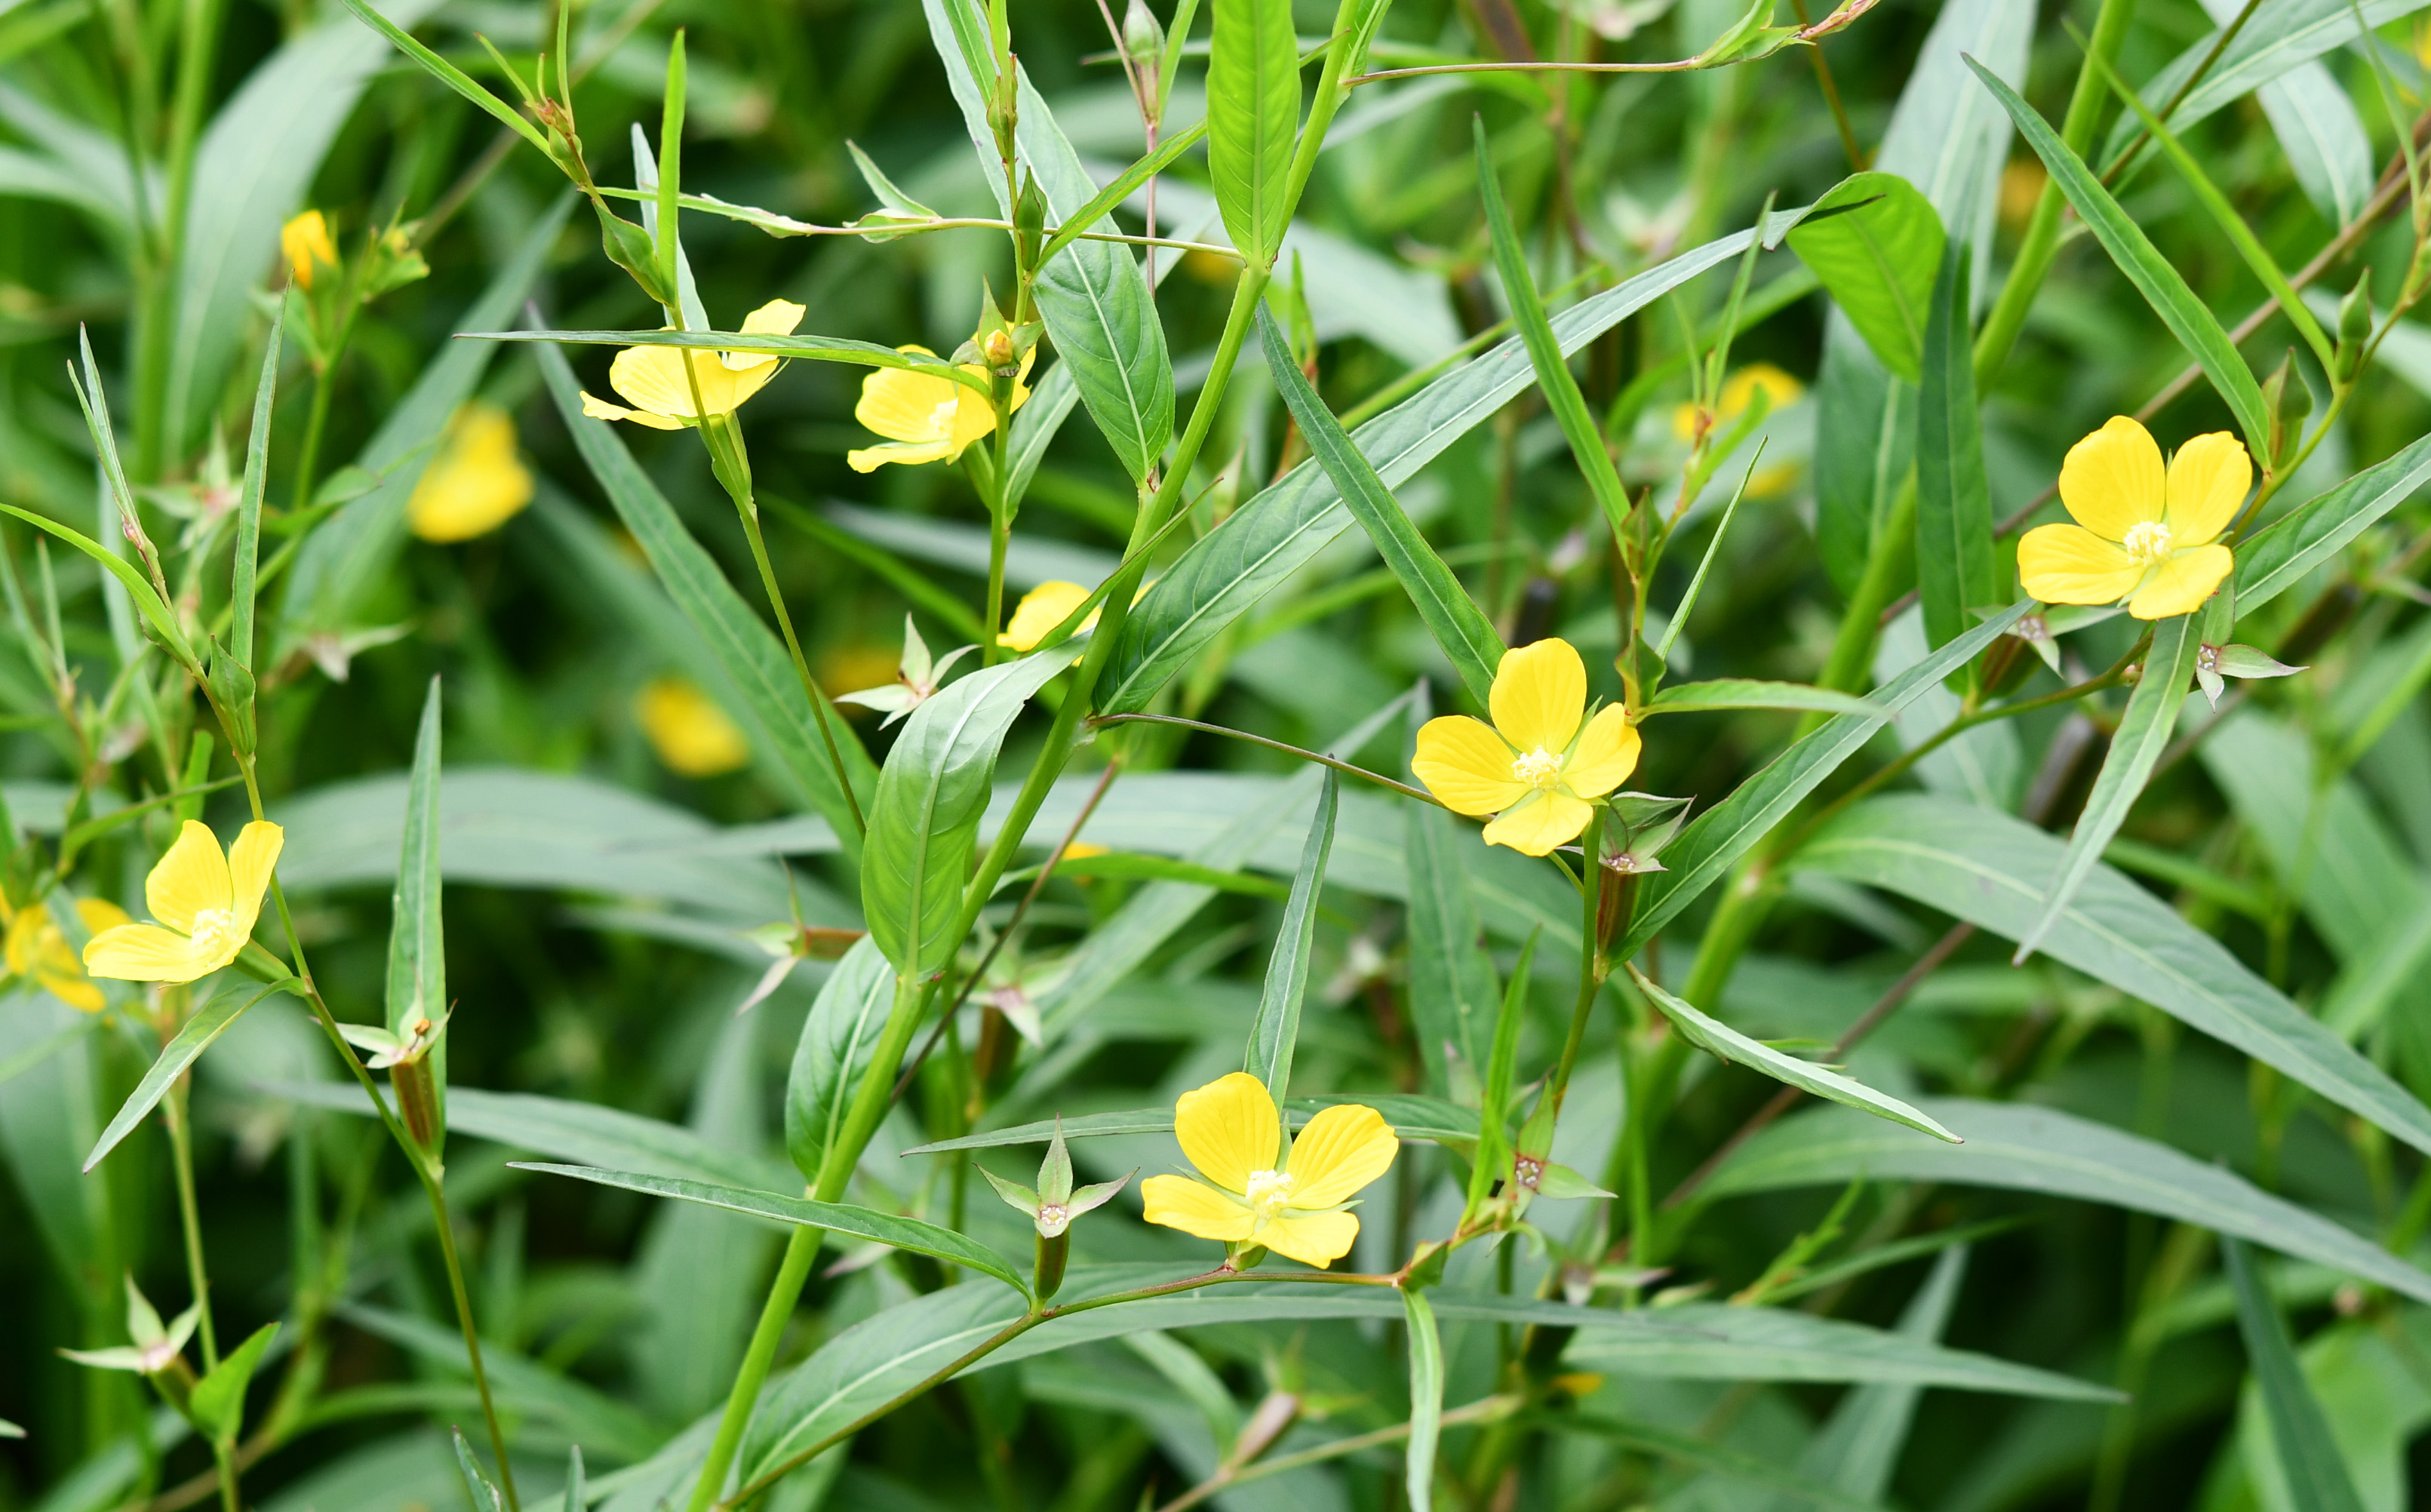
x=477 y=484
x=303 y=242
x=36 y=949
x=2144 y=534
x=691 y=734
x=206 y=903
x=1295 y=1206
x=1540 y=763
x=651 y=378
x=926 y=416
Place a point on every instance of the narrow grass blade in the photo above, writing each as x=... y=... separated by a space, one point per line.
x=1955 y=561
x=2315 y=1471
x=248 y=509
x=1501 y=1071
x=1426 y=1396
x=1275 y=1032
x=208 y=1024
x=417 y=952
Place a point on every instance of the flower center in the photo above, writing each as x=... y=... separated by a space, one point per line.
x=2146 y=543
x=1539 y=768
x=941 y=418
x=213 y=929
x=1268 y=1191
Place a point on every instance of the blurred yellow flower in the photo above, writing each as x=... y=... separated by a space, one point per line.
x=691 y=734
x=476 y=483
x=1781 y=391
x=1296 y=1206
x=1542 y=758
x=651 y=378
x=1041 y=609
x=36 y=948
x=925 y=416
x=2021 y=189
x=2143 y=534
x=205 y=902
x=303 y=242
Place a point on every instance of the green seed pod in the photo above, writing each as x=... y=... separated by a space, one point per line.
x=2354 y=329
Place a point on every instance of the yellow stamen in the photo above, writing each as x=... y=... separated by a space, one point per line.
x=1539 y=768
x=2146 y=543
x=1269 y=1190
x=211 y=929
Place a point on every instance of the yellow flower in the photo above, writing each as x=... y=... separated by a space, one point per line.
x=1296 y=1206
x=37 y=948
x=1781 y=391
x=928 y=416
x=1041 y=609
x=691 y=734
x=303 y=242
x=1540 y=761
x=206 y=903
x=2021 y=189
x=651 y=378
x=474 y=485
x=2139 y=532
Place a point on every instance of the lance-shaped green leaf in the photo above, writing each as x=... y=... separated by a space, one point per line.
x=1858 y=1447
x=2313 y=1466
x=1562 y=395
x=1276 y=533
x=417 y=946
x=838 y=1039
x=1717 y=838
x=1750 y=693
x=1426 y=1398
x=192 y=1037
x=2163 y=287
x=834 y=1218
x=2281 y=554
x=2016 y=1148
x=1120 y=189
x=2143 y=733
x=931 y=794
x=1451 y=977
x=1252 y=116
x=1467 y=636
x=1955 y=563
x=1877 y=258
x=1719 y=1039
x=486 y=1497
x=217 y=1406
x=1275 y=1032
x=1985 y=867
x=1413 y=1116
x=737 y=635
x=1502 y=1075
x=139 y=588
x=248 y=506
x=808 y=348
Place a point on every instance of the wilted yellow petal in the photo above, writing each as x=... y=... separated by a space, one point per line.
x=1539 y=694
x=1179 y=1202
x=190 y=881
x=1606 y=754
x=477 y=484
x=2069 y=564
x=2112 y=480
x=1229 y=1127
x=2180 y=584
x=1538 y=825
x=1311 y=1239
x=1466 y=766
x=1341 y=1149
x=2208 y=478
x=691 y=734
x=145 y=952
x=1039 y=610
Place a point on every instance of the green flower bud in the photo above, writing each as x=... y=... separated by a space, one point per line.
x=1052 y=1207
x=2354 y=329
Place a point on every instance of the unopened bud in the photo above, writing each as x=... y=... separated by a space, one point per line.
x=998 y=347
x=2290 y=401
x=1143 y=39
x=2354 y=329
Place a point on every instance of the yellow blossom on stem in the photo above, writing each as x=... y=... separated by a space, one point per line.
x=305 y=242
x=476 y=482
x=1540 y=763
x=1041 y=609
x=1297 y=1205
x=651 y=378
x=206 y=903
x=925 y=416
x=691 y=734
x=36 y=949
x=2143 y=533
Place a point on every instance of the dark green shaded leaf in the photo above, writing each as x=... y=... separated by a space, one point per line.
x=2310 y=1461
x=1955 y=563
x=1877 y=258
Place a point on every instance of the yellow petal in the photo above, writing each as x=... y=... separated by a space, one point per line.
x=1540 y=693
x=2207 y=482
x=192 y=877
x=1535 y=828
x=2180 y=584
x=1039 y=610
x=477 y=483
x=2069 y=564
x=777 y=317
x=2112 y=480
x=691 y=734
x=1311 y=1239
x=27 y=934
x=72 y=988
x=652 y=378
x=250 y=863
x=1781 y=391
x=974 y=417
x=1607 y=754
x=1179 y=1202
x=303 y=241
x=1229 y=1129
x=870 y=459
x=100 y=913
x=599 y=408
x=1341 y=1149
x=919 y=409
x=1467 y=766
x=144 y=953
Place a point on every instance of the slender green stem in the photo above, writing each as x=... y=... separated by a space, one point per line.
x=801 y=1249
x=1888 y=566
x=430 y=1184
x=1593 y=965
x=181 y=1153
x=325 y=382
x=750 y=516
x=1421 y=794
